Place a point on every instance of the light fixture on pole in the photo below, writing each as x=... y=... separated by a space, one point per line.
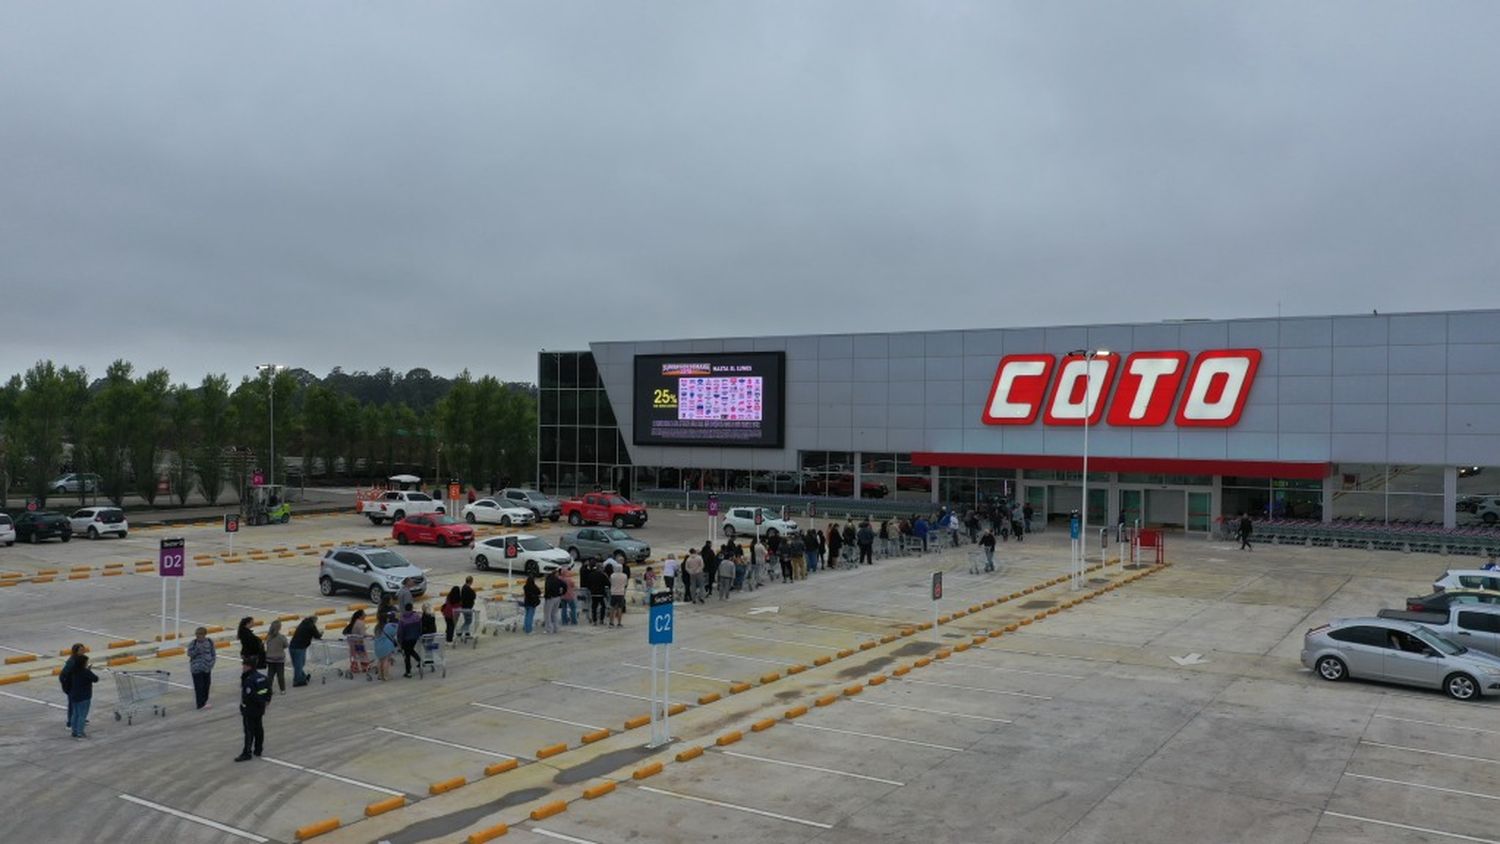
x=1088 y=356
x=272 y=369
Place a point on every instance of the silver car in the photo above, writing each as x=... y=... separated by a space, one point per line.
x=602 y=543
x=1399 y=652
x=369 y=571
x=541 y=504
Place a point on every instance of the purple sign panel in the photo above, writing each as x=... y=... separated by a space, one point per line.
x=171 y=561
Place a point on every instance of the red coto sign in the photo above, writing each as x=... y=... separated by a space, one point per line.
x=1146 y=386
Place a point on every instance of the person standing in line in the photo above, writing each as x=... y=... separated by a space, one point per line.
x=835 y=545
x=727 y=570
x=255 y=696
x=790 y=556
x=531 y=598
x=385 y=645
x=1244 y=531
x=201 y=658
x=408 y=634
x=569 y=597
x=885 y=537
x=920 y=528
x=810 y=548
x=619 y=581
x=276 y=656
x=598 y=585
x=851 y=543
x=954 y=526
x=307 y=630
x=552 y=592
x=1022 y=526
x=80 y=694
x=693 y=571
x=710 y=567
x=669 y=575
x=467 y=597
x=450 y=609
x=987 y=542
x=757 y=565
x=251 y=647
x=1001 y=522
x=404 y=596
x=1026 y=514
x=865 y=538
x=65 y=676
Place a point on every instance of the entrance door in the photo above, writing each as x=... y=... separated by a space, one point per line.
x=1098 y=505
x=1199 y=511
x=1166 y=508
x=1036 y=496
x=1130 y=505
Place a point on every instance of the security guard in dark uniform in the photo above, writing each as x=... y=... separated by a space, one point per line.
x=255 y=696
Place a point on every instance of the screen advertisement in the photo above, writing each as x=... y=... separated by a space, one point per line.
x=725 y=400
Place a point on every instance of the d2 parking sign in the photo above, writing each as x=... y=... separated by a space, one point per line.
x=171 y=561
x=659 y=628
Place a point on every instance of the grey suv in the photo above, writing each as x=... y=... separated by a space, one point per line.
x=369 y=571
x=602 y=542
x=544 y=506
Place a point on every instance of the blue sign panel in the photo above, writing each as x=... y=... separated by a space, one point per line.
x=1073 y=528
x=659 y=627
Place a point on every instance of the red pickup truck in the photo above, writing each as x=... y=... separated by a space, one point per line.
x=598 y=507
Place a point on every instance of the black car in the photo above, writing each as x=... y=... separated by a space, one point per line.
x=38 y=525
x=1441 y=601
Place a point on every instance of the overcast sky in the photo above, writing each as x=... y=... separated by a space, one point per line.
x=205 y=186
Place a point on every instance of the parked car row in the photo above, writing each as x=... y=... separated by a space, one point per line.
x=38 y=525
x=1449 y=640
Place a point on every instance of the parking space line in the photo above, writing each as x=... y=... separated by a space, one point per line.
x=535 y=715
x=833 y=771
x=314 y=771
x=1438 y=724
x=559 y=836
x=877 y=736
x=257 y=609
x=481 y=751
x=34 y=700
x=738 y=808
x=1427 y=787
x=999 y=650
x=1430 y=752
x=680 y=673
x=884 y=618
x=18 y=650
x=188 y=620
x=1411 y=828
x=844 y=630
x=609 y=692
x=932 y=711
x=96 y=632
x=969 y=664
x=176 y=813
x=788 y=642
x=974 y=689
x=736 y=656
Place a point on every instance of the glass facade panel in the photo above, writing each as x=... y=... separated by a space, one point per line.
x=588 y=373
x=1422 y=479
x=546 y=377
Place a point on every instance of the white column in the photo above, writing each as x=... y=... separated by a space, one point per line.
x=1450 y=497
x=859 y=471
x=1330 y=483
x=932 y=494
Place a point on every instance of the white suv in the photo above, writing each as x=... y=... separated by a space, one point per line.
x=1486 y=579
x=95 y=522
x=369 y=571
x=742 y=520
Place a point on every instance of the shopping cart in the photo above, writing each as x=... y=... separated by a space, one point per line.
x=466 y=626
x=137 y=690
x=504 y=611
x=430 y=649
x=328 y=655
x=361 y=651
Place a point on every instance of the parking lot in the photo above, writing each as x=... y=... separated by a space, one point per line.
x=823 y=711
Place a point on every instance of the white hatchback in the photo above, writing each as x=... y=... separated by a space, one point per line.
x=742 y=520
x=96 y=522
x=7 y=530
x=491 y=512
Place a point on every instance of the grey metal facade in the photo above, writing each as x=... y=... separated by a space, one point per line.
x=1410 y=388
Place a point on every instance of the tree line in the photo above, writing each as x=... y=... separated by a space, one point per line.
x=135 y=431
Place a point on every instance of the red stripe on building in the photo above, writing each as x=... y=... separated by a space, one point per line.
x=1144 y=465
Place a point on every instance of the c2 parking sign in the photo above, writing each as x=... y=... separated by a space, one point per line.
x=659 y=628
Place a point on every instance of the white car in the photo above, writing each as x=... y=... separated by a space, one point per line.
x=491 y=512
x=742 y=520
x=517 y=553
x=1468 y=579
x=95 y=522
x=7 y=531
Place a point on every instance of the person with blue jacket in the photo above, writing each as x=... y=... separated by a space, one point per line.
x=385 y=646
x=80 y=694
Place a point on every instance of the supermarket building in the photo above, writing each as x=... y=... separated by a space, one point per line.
x=1384 y=417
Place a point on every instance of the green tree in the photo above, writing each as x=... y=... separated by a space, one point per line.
x=146 y=424
x=47 y=406
x=214 y=423
x=182 y=439
x=107 y=418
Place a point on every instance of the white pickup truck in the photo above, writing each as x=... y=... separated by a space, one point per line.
x=395 y=505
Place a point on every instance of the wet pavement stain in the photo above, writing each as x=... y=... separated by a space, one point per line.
x=917 y=648
x=450 y=823
x=866 y=667
x=601 y=765
x=788 y=694
x=1038 y=605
